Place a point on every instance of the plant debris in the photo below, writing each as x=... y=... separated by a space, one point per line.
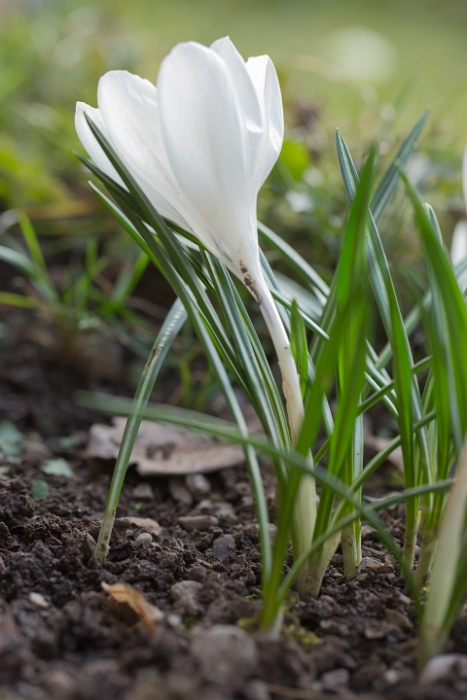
x=163 y=449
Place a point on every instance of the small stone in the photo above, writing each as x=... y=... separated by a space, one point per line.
x=367 y=531
x=223 y=546
x=35 y=452
x=179 y=491
x=143 y=492
x=143 y=540
x=197 y=573
x=185 y=595
x=394 y=617
x=184 y=588
x=404 y=599
x=2 y=566
x=221 y=509
x=197 y=484
x=272 y=532
x=335 y=627
x=198 y=522
x=443 y=667
x=147 y=524
x=240 y=559
x=242 y=488
x=256 y=690
x=173 y=620
x=226 y=654
x=338 y=678
x=391 y=676
x=38 y=599
x=60 y=685
x=369 y=565
x=377 y=629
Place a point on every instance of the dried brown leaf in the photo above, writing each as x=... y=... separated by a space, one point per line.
x=164 y=449
x=124 y=593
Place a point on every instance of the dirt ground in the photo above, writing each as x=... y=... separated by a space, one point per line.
x=63 y=637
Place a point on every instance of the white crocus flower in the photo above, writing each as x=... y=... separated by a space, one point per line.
x=200 y=144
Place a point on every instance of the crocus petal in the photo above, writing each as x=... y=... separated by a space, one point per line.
x=248 y=101
x=459 y=251
x=200 y=145
x=206 y=144
x=264 y=77
x=89 y=142
x=128 y=107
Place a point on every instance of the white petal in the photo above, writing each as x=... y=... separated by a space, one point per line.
x=89 y=142
x=459 y=250
x=264 y=77
x=128 y=105
x=247 y=97
x=459 y=243
x=206 y=142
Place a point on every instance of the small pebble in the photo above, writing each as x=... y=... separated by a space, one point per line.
x=197 y=484
x=394 y=617
x=143 y=540
x=2 y=565
x=39 y=600
x=173 y=620
x=225 y=511
x=443 y=667
x=272 y=532
x=240 y=558
x=179 y=491
x=143 y=492
x=147 y=524
x=338 y=678
x=243 y=488
x=184 y=588
x=198 y=522
x=223 y=547
x=60 y=685
x=227 y=655
x=197 y=573
x=256 y=690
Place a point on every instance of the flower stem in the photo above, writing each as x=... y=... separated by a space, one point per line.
x=305 y=507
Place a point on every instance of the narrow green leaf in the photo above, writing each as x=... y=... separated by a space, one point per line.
x=299 y=346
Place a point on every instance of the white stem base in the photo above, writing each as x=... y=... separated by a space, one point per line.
x=305 y=507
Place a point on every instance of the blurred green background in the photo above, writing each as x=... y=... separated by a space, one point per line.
x=368 y=67
x=362 y=64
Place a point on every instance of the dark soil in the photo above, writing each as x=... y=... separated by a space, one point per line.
x=62 y=636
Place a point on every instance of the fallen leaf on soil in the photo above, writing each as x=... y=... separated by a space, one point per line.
x=124 y=593
x=57 y=467
x=164 y=449
x=11 y=441
x=148 y=524
x=374 y=566
x=39 y=489
x=378 y=443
